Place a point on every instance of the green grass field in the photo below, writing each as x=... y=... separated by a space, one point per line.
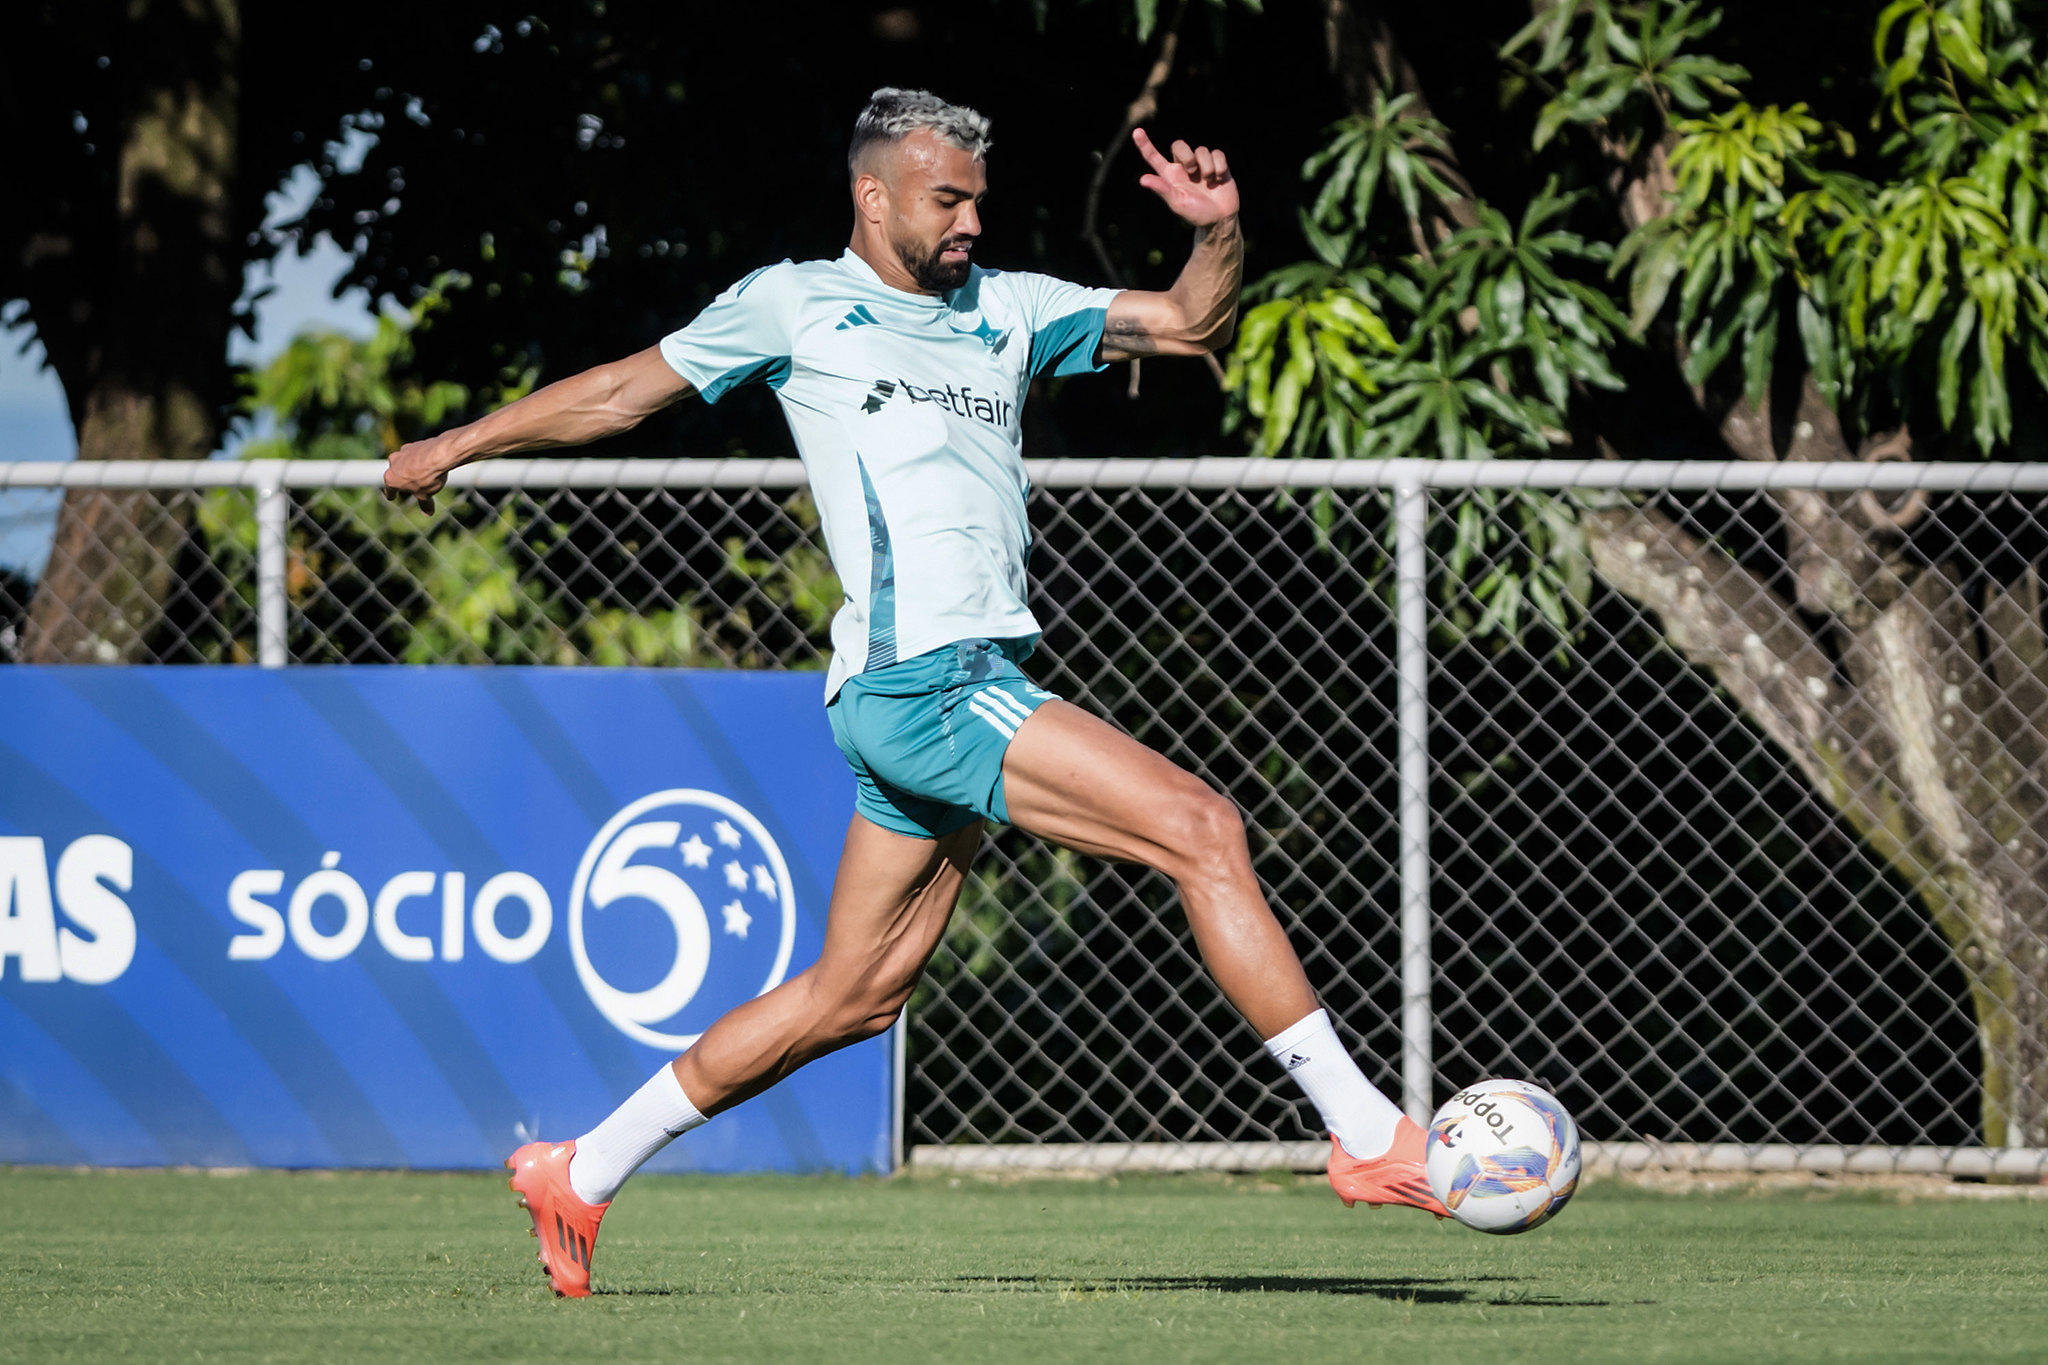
x=334 y=1268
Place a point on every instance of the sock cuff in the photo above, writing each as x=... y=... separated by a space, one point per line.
x=1313 y=1026
x=683 y=1115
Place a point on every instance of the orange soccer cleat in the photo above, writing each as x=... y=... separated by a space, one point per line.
x=1395 y=1178
x=566 y=1226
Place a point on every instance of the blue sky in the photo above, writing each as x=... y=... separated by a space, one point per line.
x=35 y=425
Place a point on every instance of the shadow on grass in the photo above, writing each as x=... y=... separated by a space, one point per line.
x=1399 y=1289
x=1394 y=1289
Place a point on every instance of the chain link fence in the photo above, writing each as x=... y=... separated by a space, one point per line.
x=1710 y=796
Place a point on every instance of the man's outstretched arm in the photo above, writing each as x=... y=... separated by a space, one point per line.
x=1199 y=313
x=599 y=402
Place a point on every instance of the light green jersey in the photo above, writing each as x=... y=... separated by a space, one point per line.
x=905 y=408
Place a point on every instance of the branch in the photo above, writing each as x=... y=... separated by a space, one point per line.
x=2018 y=650
x=1847 y=561
x=1727 y=620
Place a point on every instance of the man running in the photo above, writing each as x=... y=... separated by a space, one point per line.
x=901 y=367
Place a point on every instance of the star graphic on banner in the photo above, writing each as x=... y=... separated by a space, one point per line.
x=736 y=876
x=727 y=835
x=736 y=919
x=696 y=853
x=764 y=880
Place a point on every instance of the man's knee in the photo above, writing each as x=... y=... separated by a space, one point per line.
x=859 y=1023
x=1206 y=835
x=861 y=1014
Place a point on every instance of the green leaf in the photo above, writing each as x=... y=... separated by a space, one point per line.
x=1281 y=410
x=1340 y=178
x=1549 y=120
x=1467 y=541
x=1550 y=377
x=2037 y=361
x=1991 y=408
x=1759 y=350
x=1891 y=14
x=1331 y=248
x=1509 y=297
x=1954 y=41
x=1660 y=264
x=1332 y=349
x=1548 y=605
x=1949 y=370
x=1817 y=339
x=1918 y=30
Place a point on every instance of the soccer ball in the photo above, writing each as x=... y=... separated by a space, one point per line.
x=1503 y=1156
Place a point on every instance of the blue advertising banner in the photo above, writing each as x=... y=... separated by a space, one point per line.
x=407 y=917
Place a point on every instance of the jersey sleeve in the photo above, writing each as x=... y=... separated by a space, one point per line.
x=742 y=338
x=1066 y=322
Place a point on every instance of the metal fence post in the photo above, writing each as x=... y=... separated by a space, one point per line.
x=1412 y=722
x=898 y=1046
x=273 y=505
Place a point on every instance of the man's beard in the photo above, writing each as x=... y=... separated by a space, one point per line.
x=931 y=272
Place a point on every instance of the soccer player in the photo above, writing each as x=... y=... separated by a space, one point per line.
x=901 y=367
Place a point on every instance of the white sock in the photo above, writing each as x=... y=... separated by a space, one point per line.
x=652 y=1116
x=1357 y=1114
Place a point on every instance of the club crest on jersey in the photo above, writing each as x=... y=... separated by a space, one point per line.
x=961 y=402
x=987 y=335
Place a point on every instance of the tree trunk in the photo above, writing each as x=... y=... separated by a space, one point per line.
x=134 y=307
x=1919 y=716
x=112 y=561
x=1927 y=734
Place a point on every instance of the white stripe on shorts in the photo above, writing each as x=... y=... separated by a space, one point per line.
x=1006 y=727
x=1007 y=704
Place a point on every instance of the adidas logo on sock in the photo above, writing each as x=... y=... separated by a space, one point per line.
x=1296 y=1061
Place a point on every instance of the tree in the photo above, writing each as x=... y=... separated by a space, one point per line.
x=599 y=168
x=502 y=578
x=1691 y=256
x=121 y=233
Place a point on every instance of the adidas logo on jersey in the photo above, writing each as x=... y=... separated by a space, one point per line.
x=961 y=402
x=859 y=317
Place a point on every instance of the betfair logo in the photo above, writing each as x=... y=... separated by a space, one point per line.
x=961 y=402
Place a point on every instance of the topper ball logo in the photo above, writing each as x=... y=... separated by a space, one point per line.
x=608 y=875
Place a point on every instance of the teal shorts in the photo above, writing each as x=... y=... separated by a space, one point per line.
x=926 y=737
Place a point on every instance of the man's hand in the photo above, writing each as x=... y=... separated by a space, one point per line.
x=1197 y=315
x=1196 y=184
x=419 y=469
